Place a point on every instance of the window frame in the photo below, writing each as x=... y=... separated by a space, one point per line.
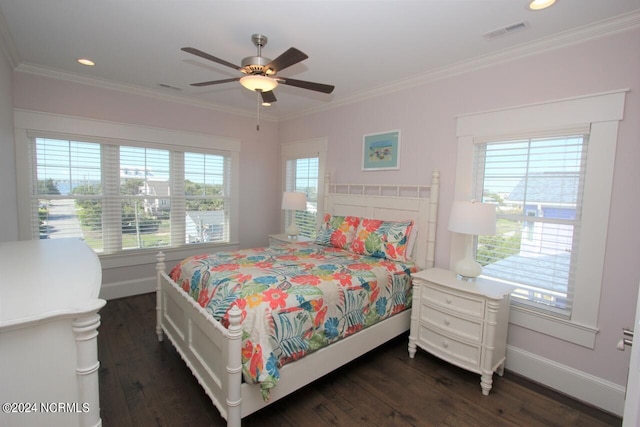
x=301 y=150
x=534 y=146
x=306 y=229
x=29 y=125
x=601 y=113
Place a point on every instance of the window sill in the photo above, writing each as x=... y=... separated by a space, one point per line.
x=148 y=256
x=565 y=330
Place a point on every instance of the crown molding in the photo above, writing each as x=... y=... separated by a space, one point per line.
x=568 y=38
x=138 y=90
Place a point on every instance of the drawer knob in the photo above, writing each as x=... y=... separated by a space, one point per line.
x=447 y=321
x=448 y=300
x=445 y=344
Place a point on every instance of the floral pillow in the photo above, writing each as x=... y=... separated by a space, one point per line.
x=337 y=231
x=382 y=239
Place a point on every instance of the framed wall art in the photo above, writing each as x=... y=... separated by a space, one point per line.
x=381 y=151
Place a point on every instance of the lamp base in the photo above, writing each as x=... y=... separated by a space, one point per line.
x=468 y=268
x=292 y=231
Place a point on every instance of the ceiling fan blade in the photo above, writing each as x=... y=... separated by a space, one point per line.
x=215 y=82
x=205 y=55
x=268 y=96
x=290 y=57
x=318 y=87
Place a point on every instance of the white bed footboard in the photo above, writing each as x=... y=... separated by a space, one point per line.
x=213 y=352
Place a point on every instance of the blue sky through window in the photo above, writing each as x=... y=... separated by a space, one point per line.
x=508 y=162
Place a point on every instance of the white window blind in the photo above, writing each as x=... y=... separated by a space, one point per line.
x=537 y=186
x=206 y=189
x=302 y=176
x=67 y=188
x=119 y=197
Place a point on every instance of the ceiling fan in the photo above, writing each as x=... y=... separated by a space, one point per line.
x=260 y=72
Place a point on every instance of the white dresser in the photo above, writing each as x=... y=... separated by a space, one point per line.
x=464 y=323
x=48 y=333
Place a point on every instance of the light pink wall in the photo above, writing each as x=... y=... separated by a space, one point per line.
x=426 y=116
x=8 y=194
x=259 y=155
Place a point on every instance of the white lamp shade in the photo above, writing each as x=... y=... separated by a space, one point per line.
x=473 y=218
x=258 y=83
x=294 y=201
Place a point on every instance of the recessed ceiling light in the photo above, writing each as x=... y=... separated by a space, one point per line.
x=540 y=4
x=87 y=62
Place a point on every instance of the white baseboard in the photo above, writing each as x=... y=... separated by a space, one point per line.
x=128 y=288
x=579 y=385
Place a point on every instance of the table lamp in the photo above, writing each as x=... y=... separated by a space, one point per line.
x=293 y=201
x=471 y=218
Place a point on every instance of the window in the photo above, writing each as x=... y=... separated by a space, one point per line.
x=536 y=185
x=302 y=176
x=303 y=171
x=118 y=197
x=499 y=150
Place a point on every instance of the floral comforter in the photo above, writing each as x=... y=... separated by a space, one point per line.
x=294 y=299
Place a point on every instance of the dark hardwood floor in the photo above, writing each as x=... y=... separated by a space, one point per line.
x=146 y=383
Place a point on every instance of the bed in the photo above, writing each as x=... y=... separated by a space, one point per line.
x=213 y=346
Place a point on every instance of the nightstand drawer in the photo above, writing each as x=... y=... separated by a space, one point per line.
x=466 y=304
x=458 y=352
x=469 y=329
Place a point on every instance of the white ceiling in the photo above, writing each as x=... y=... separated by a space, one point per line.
x=361 y=47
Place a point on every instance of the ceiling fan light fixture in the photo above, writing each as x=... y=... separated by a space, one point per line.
x=540 y=4
x=258 y=83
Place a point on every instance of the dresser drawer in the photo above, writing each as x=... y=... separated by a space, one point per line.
x=458 y=352
x=469 y=329
x=461 y=303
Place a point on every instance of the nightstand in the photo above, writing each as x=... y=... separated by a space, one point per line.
x=283 y=239
x=464 y=323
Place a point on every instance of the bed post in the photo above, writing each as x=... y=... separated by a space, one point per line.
x=234 y=368
x=433 y=214
x=326 y=188
x=160 y=266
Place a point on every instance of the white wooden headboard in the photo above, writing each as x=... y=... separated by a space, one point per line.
x=392 y=203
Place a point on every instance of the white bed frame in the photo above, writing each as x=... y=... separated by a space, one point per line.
x=213 y=352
